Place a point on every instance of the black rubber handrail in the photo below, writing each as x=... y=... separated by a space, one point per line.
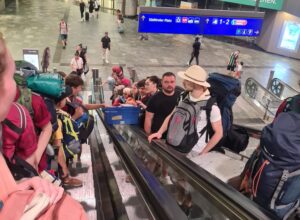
x=162 y=205
x=229 y=200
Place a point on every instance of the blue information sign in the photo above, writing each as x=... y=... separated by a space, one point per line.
x=204 y=25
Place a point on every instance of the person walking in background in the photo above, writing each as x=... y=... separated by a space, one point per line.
x=105 y=48
x=63 y=30
x=97 y=8
x=196 y=51
x=233 y=60
x=120 y=21
x=77 y=64
x=91 y=7
x=46 y=59
x=82 y=7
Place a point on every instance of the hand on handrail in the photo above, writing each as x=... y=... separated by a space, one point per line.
x=156 y=135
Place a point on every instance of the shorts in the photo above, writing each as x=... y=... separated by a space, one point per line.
x=231 y=68
x=64 y=36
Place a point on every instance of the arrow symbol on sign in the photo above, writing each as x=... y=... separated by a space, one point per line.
x=143 y=17
x=207 y=20
x=256 y=32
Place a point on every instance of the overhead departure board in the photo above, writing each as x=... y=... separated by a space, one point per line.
x=204 y=25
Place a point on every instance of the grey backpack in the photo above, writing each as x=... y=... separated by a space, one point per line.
x=182 y=130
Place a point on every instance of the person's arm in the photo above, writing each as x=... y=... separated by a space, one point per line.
x=94 y=106
x=148 y=122
x=162 y=129
x=218 y=134
x=43 y=141
x=78 y=113
x=141 y=104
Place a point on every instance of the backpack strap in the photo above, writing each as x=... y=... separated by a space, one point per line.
x=284 y=177
x=19 y=130
x=210 y=102
x=26 y=99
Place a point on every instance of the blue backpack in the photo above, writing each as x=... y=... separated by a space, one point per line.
x=275 y=173
x=225 y=89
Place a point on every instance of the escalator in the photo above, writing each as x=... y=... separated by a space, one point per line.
x=211 y=197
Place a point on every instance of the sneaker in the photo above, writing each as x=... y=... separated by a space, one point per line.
x=71 y=182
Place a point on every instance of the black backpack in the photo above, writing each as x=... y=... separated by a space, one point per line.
x=18 y=166
x=182 y=132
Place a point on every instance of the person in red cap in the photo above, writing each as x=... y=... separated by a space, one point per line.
x=120 y=79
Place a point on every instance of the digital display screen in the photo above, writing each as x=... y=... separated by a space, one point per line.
x=31 y=56
x=204 y=25
x=290 y=35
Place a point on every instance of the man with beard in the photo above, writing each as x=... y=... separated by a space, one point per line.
x=161 y=104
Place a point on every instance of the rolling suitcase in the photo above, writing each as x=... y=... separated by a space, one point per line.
x=121 y=29
x=87 y=16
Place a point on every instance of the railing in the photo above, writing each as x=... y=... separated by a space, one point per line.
x=262 y=97
x=281 y=89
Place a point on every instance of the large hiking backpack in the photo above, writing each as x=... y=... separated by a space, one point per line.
x=274 y=169
x=289 y=104
x=28 y=81
x=182 y=129
x=18 y=166
x=226 y=90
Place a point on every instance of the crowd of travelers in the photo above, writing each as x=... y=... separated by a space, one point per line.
x=37 y=130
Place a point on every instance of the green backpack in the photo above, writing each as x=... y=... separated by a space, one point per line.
x=25 y=98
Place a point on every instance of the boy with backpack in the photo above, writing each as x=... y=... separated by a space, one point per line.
x=40 y=116
x=66 y=139
x=272 y=174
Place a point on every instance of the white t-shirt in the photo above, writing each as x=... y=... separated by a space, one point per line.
x=76 y=64
x=215 y=115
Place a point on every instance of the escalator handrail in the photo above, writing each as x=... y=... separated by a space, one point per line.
x=161 y=202
x=199 y=176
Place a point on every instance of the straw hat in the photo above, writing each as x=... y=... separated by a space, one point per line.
x=195 y=74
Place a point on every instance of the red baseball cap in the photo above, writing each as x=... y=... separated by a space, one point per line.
x=117 y=70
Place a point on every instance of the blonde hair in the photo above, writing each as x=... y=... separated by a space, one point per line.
x=190 y=86
x=127 y=91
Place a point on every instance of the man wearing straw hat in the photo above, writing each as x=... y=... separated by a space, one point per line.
x=196 y=86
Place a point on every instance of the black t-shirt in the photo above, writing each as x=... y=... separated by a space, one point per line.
x=105 y=42
x=161 y=105
x=196 y=47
